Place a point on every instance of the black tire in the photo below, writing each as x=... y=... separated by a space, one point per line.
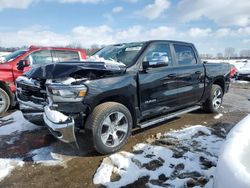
x=209 y=105
x=4 y=101
x=95 y=121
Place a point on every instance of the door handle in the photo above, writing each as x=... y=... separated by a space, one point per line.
x=172 y=75
x=198 y=72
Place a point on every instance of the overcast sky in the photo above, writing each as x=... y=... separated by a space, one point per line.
x=211 y=25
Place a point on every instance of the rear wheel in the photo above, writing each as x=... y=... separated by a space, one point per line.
x=4 y=101
x=215 y=99
x=111 y=125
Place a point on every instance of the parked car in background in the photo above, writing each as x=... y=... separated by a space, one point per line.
x=18 y=62
x=244 y=72
x=133 y=85
x=2 y=54
x=233 y=72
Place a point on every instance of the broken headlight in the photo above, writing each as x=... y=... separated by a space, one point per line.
x=67 y=93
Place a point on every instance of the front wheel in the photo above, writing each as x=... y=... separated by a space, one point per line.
x=4 y=101
x=111 y=125
x=214 y=100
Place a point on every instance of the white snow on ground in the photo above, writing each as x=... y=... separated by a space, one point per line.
x=237 y=63
x=188 y=153
x=46 y=156
x=15 y=123
x=218 y=116
x=239 y=81
x=43 y=156
x=234 y=161
x=7 y=165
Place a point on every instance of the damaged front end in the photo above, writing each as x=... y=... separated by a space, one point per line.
x=64 y=129
x=65 y=108
x=57 y=91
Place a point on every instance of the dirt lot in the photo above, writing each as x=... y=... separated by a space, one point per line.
x=82 y=164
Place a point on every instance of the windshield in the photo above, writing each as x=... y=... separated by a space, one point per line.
x=124 y=53
x=14 y=55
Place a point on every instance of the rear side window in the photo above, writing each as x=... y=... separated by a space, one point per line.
x=40 y=57
x=64 y=55
x=184 y=55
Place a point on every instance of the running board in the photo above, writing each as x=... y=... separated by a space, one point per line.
x=168 y=116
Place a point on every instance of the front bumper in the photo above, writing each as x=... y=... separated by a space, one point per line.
x=33 y=113
x=64 y=131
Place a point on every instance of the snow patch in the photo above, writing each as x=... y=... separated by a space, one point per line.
x=233 y=169
x=190 y=152
x=7 y=165
x=46 y=156
x=239 y=81
x=15 y=123
x=218 y=116
x=55 y=116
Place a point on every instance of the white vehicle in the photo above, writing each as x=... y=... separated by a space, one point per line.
x=244 y=72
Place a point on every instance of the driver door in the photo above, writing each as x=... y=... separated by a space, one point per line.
x=157 y=84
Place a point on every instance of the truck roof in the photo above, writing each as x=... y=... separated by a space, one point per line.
x=151 y=41
x=32 y=47
x=171 y=41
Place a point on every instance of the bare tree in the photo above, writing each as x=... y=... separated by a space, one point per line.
x=206 y=56
x=229 y=52
x=219 y=55
x=245 y=53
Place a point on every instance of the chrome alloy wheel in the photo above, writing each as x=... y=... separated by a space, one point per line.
x=114 y=129
x=4 y=101
x=217 y=99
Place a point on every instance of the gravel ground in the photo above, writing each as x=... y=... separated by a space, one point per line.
x=82 y=164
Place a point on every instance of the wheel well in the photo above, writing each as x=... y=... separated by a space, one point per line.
x=124 y=101
x=221 y=83
x=6 y=88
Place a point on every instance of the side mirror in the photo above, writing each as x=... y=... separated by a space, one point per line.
x=22 y=63
x=160 y=61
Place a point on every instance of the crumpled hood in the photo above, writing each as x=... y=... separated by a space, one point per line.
x=66 y=69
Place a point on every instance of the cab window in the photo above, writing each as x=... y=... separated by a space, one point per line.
x=40 y=57
x=184 y=55
x=64 y=55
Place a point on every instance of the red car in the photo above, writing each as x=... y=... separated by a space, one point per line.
x=18 y=62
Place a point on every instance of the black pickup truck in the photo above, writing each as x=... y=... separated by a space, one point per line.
x=126 y=86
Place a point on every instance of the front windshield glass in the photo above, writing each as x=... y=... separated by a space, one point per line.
x=124 y=53
x=14 y=55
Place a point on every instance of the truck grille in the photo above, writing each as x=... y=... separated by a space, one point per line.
x=31 y=93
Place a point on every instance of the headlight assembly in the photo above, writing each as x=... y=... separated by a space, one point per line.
x=67 y=93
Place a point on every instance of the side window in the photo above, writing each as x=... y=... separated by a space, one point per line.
x=158 y=53
x=64 y=55
x=184 y=55
x=40 y=57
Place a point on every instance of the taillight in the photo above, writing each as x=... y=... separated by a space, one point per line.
x=232 y=71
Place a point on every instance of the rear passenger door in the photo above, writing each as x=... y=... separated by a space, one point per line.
x=190 y=75
x=65 y=55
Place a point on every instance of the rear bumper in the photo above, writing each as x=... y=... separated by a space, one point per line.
x=243 y=76
x=64 y=131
